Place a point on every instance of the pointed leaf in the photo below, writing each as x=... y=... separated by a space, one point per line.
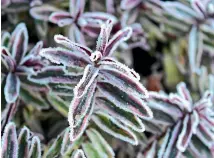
x=20 y=42
x=89 y=77
x=127 y=102
x=9 y=142
x=35 y=148
x=118 y=38
x=100 y=144
x=61 y=18
x=78 y=154
x=113 y=127
x=5 y=38
x=66 y=57
x=125 y=117
x=79 y=108
x=23 y=139
x=71 y=45
x=89 y=150
x=129 y=4
x=12 y=88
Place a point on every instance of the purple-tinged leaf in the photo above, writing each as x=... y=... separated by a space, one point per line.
x=42 y=12
x=171 y=147
x=78 y=154
x=80 y=105
x=164 y=144
x=128 y=102
x=199 y=7
x=104 y=36
x=35 y=148
x=89 y=76
x=77 y=131
x=55 y=74
x=78 y=7
x=61 y=18
x=60 y=39
x=7 y=60
x=23 y=141
x=8 y=114
x=151 y=151
x=110 y=6
x=12 y=88
x=100 y=144
x=91 y=27
x=113 y=127
x=186 y=133
x=152 y=126
x=99 y=16
x=184 y=92
x=9 y=142
x=76 y=35
x=61 y=90
x=20 y=42
x=124 y=82
x=66 y=57
x=125 y=117
x=129 y=4
x=37 y=48
x=180 y=102
x=5 y=39
x=118 y=38
x=109 y=62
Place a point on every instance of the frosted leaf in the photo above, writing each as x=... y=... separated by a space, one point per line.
x=78 y=154
x=80 y=105
x=12 y=88
x=89 y=76
x=118 y=38
x=77 y=7
x=129 y=4
x=60 y=39
x=113 y=127
x=54 y=74
x=164 y=144
x=35 y=148
x=61 y=18
x=23 y=141
x=151 y=152
x=109 y=62
x=100 y=144
x=66 y=57
x=125 y=117
x=184 y=92
x=5 y=38
x=19 y=42
x=76 y=130
x=185 y=135
x=124 y=82
x=128 y=102
x=9 y=142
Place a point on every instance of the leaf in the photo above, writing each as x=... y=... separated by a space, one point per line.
x=129 y=4
x=42 y=12
x=125 y=117
x=66 y=57
x=55 y=74
x=5 y=38
x=89 y=77
x=12 y=88
x=110 y=63
x=100 y=144
x=55 y=147
x=58 y=104
x=89 y=150
x=23 y=142
x=76 y=35
x=124 y=82
x=113 y=127
x=35 y=148
x=151 y=152
x=32 y=98
x=78 y=154
x=77 y=129
x=127 y=102
x=8 y=62
x=9 y=142
x=60 y=39
x=80 y=105
x=118 y=38
x=77 y=7
x=19 y=42
x=61 y=18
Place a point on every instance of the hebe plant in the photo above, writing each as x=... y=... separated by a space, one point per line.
x=80 y=99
